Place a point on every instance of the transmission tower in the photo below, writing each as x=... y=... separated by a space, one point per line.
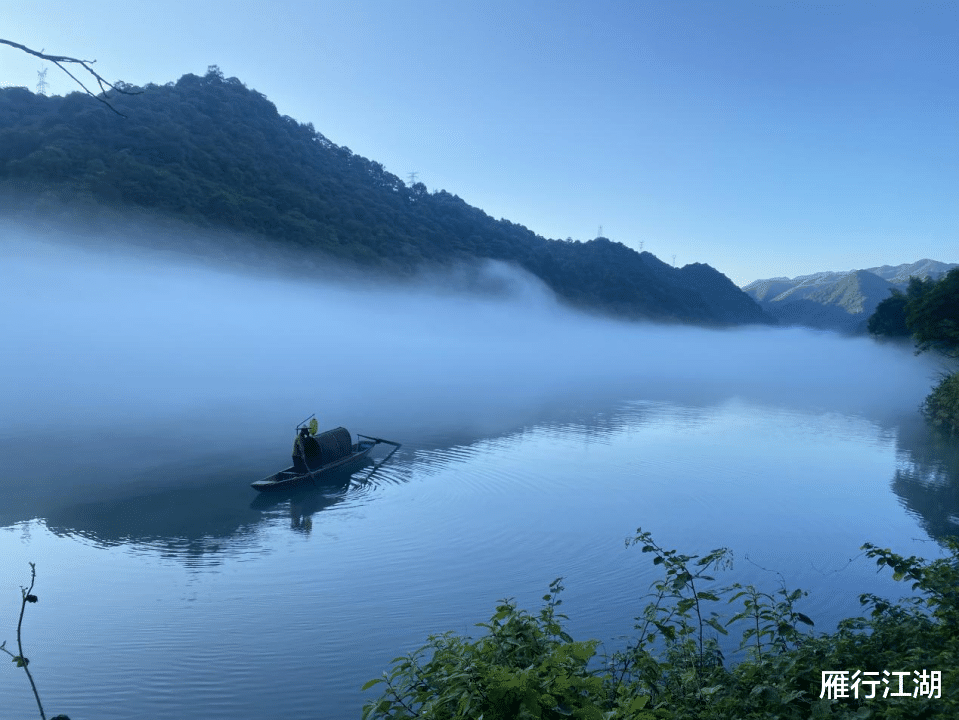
x=412 y=177
x=600 y=233
x=42 y=82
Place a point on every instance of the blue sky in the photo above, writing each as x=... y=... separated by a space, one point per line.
x=764 y=138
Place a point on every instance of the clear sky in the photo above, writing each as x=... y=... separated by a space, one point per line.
x=764 y=138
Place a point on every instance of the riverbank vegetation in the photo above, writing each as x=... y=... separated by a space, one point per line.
x=928 y=312
x=899 y=661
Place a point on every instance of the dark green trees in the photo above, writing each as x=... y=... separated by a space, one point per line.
x=891 y=316
x=929 y=312
x=889 y=319
x=933 y=316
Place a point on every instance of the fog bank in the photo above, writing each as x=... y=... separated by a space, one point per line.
x=97 y=340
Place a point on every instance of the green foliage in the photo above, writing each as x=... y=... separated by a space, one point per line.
x=770 y=620
x=525 y=667
x=933 y=315
x=915 y=633
x=929 y=311
x=679 y=609
x=889 y=319
x=894 y=316
x=529 y=667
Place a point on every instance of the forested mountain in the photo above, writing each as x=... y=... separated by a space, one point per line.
x=217 y=154
x=841 y=301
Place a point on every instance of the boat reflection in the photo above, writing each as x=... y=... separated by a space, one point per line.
x=303 y=502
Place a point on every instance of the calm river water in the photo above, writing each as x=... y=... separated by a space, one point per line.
x=534 y=441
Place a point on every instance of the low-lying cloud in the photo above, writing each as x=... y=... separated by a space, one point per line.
x=97 y=339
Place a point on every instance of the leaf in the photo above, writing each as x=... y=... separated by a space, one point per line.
x=371 y=683
x=714 y=623
x=657 y=560
x=667 y=630
x=638 y=703
x=804 y=619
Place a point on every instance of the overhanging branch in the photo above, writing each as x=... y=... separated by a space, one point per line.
x=61 y=60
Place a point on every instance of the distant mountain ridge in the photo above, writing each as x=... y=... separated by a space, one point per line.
x=841 y=301
x=214 y=153
x=900 y=274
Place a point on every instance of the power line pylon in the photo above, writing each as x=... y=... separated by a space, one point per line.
x=42 y=82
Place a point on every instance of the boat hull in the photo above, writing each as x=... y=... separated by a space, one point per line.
x=290 y=478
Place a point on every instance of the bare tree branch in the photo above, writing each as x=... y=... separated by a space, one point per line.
x=61 y=60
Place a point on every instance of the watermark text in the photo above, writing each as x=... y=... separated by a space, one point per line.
x=839 y=684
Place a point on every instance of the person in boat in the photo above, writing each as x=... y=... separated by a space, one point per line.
x=300 y=451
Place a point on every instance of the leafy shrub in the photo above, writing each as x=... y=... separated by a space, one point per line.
x=529 y=667
x=526 y=667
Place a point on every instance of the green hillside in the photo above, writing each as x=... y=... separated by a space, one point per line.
x=210 y=151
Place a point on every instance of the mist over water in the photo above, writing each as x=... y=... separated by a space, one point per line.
x=127 y=366
x=98 y=339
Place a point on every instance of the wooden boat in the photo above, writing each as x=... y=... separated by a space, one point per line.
x=319 y=456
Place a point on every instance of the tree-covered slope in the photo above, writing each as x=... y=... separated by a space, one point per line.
x=217 y=154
